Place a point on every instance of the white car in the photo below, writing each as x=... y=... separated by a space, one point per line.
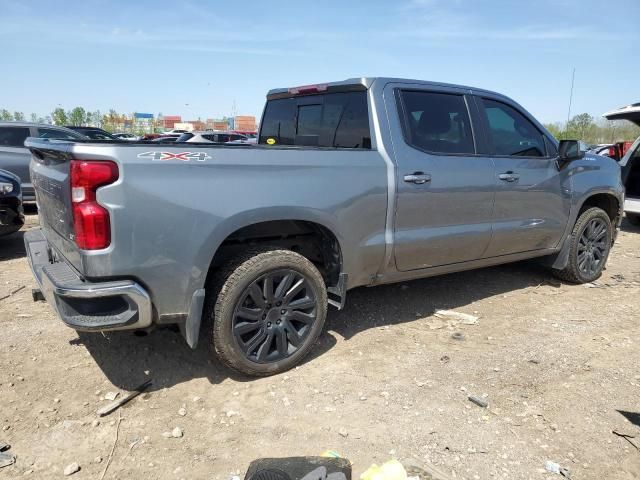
x=130 y=137
x=630 y=164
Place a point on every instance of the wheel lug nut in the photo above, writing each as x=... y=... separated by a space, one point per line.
x=277 y=322
x=283 y=311
x=268 y=324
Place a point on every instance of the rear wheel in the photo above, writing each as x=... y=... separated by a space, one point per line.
x=270 y=307
x=633 y=218
x=589 y=247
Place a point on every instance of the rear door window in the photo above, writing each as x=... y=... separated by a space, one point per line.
x=511 y=133
x=338 y=120
x=437 y=122
x=13 y=136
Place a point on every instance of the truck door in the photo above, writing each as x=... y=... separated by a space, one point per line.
x=445 y=187
x=532 y=199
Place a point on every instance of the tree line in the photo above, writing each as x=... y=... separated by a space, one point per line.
x=78 y=116
x=585 y=127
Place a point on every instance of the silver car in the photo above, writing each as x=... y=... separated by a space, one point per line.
x=211 y=136
x=15 y=157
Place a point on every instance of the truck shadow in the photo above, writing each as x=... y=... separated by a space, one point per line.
x=408 y=301
x=12 y=246
x=128 y=360
x=629 y=227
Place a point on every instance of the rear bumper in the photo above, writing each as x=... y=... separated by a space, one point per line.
x=84 y=305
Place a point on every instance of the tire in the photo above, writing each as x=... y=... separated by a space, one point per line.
x=633 y=219
x=589 y=247
x=268 y=309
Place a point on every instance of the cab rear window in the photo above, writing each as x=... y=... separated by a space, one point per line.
x=339 y=120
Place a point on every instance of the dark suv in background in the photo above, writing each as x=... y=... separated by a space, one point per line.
x=94 y=133
x=11 y=213
x=14 y=156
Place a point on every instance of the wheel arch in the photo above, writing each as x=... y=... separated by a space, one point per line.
x=281 y=226
x=604 y=199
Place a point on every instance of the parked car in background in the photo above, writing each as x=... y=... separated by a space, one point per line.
x=93 y=133
x=246 y=133
x=355 y=183
x=129 y=137
x=630 y=163
x=15 y=157
x=602 y=149
x=11 y=213
x=165 y=139
x=211 y=136
x=178 y=131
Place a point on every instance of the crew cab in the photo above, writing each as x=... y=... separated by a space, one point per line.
x=354 y=183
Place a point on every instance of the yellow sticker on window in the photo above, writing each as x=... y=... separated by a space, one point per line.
x=271 y=141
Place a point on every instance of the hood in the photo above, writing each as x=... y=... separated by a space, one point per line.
x=630 y=112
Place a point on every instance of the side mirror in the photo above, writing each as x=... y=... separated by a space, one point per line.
x=570 y=150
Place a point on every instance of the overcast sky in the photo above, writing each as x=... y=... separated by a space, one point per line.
x=195 y=58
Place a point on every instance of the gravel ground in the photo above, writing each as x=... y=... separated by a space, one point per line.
x=556 y=363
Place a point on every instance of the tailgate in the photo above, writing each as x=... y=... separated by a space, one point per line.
x=50 y=163
x=50 y=175
x=630 y=112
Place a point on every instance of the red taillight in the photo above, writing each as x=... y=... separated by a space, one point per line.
x=91 y=223
x=308 y=89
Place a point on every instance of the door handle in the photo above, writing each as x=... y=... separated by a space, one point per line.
x=509 y=176
x=418 y=178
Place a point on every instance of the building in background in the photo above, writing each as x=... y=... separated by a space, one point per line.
x=169 y=121
x=183 y=126
x=244 y=123
x=198 y=124
x=143 y=122
x=220 y=125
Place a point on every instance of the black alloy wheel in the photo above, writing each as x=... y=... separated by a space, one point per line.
x=593 y=247
x=274 y=316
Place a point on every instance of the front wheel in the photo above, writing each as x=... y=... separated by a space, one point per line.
x=270 y=307
x=589 y=247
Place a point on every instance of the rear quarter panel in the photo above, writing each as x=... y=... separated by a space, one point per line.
x=169 y=217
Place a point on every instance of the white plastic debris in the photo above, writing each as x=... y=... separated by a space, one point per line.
x=457 y=317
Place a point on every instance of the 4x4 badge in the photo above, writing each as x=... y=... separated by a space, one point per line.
x=182 y=156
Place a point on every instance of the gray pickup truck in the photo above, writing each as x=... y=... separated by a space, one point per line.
x=360 y=182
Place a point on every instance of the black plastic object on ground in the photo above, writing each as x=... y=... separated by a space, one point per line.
x=299 y=468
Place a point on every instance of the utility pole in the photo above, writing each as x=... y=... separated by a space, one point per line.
x=573 y=77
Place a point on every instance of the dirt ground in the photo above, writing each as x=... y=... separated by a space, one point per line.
x=557 y=364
